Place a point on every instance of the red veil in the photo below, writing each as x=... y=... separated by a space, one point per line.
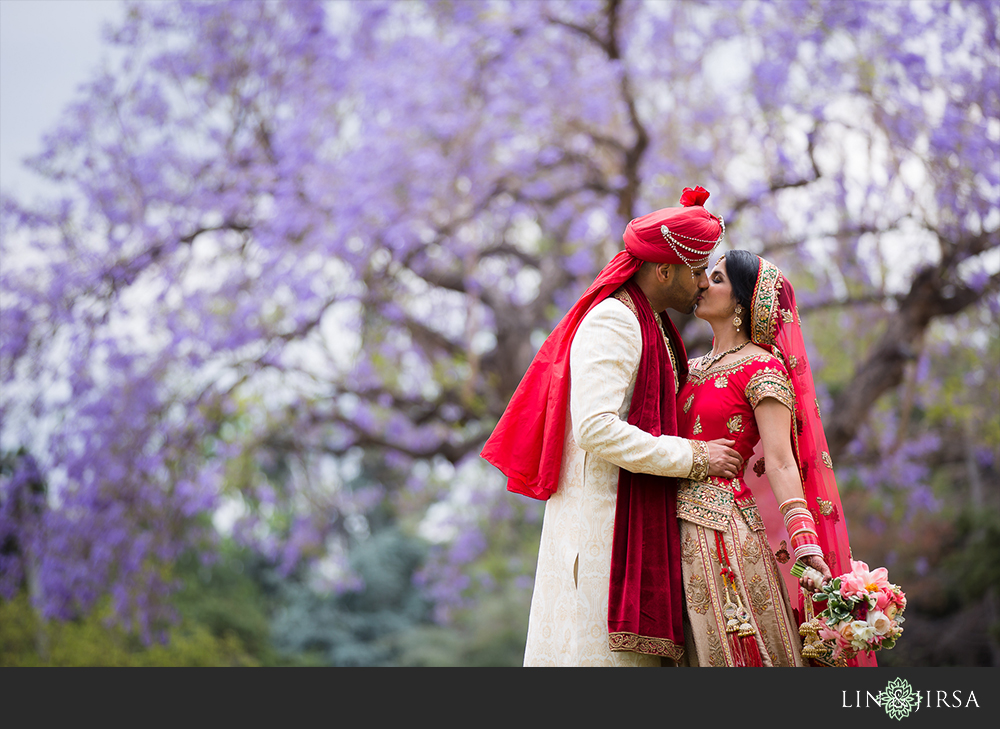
x=776 y=326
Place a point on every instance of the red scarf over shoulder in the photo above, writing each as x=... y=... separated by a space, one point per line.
x=527 y=444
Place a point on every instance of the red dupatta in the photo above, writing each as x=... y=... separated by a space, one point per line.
x=645 y=599
x=527 y=444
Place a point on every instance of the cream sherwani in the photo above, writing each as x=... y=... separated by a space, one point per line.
x=568 y=623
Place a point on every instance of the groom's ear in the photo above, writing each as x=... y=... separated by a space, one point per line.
x=664 y=273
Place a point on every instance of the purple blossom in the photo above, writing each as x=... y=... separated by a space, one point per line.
x=287 y=221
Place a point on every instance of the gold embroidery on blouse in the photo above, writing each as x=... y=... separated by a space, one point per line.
x=722 y=382
x=770 y=382
x=687 y=405
x=697 y=376
x=706 y=504
x=735 y=424
x=751 y=515
x=710 y=503
x=697 y=426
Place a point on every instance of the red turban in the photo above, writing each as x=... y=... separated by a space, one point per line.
x=687 y=234
x=527 y=444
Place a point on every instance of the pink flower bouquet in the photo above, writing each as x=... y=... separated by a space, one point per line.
x=864 y=612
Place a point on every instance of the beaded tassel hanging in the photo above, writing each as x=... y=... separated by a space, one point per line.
x=740 y=632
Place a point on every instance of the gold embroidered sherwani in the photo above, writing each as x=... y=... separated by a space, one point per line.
x=568 y=623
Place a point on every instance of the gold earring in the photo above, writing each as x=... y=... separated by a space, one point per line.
x=737 y=322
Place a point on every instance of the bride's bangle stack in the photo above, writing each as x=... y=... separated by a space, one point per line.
x=801 y=528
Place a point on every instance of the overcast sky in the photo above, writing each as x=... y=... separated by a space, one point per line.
x=47 y=49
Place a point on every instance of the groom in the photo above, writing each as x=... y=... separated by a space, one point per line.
x=607 y=587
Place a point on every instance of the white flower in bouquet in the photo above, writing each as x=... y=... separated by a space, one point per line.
x=862 y=634
x=880 y=621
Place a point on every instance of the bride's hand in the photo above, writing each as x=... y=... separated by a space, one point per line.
x=818 y=564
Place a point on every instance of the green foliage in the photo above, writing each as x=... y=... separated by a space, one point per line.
x=223 y=622
x=365 y=627
x=27 y=640
x=387 y=623
x=240 y=612
x=491 y=635
x=973 y=563
x=227 y=600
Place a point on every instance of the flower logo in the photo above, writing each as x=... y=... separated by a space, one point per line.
x=898 y=699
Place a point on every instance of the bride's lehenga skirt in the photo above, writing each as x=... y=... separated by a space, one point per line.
x=762 y=592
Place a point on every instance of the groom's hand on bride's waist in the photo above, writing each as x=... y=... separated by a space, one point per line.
x=723 y=460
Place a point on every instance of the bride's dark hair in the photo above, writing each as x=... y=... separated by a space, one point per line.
x=742 y=268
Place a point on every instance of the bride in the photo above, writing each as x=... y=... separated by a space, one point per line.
x=753 y=387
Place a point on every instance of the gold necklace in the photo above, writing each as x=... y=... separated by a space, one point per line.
x=711 y=359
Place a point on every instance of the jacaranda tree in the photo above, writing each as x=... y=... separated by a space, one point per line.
x=286 y=238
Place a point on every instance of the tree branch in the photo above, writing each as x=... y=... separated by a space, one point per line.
x=776 y=185
x=930 y=297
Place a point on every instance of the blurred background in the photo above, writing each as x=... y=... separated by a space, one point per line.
x=270 y=272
